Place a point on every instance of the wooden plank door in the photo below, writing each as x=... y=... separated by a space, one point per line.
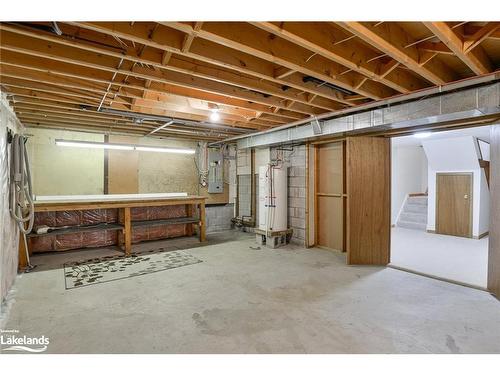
x=454 y=204
x=329 y=192
x=494 y=238
x=368 y=172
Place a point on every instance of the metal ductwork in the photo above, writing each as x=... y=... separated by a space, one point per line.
x=478 y=96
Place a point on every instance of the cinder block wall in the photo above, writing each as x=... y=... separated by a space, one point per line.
x=296 y=163
x=219 y=217
x=244 y=180
x=245 y=199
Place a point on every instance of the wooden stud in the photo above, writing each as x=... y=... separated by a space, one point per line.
x=189 y=213
x=127 y=230
x=203 y=237
x=23 y=259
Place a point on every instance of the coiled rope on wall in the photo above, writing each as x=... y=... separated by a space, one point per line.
x=21 y=190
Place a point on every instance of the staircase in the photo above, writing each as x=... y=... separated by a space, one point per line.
x=414 y=213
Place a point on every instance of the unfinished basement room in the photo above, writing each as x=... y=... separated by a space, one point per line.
x=249 y=187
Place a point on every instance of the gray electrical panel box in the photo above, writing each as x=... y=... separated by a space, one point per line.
x=215 y=171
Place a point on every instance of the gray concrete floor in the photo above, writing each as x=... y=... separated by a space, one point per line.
x=242 y=299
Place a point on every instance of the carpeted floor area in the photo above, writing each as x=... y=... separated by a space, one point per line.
x=455 y=258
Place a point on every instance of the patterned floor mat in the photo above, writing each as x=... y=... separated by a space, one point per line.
x=111 y=268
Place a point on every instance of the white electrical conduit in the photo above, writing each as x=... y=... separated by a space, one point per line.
x=21 y=190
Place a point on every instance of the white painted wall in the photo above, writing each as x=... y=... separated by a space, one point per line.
x=484 y=205
x=458 y=154
x=409 y=175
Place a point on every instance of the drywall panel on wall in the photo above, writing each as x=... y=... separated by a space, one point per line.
x=123 y=167
x=484 y=205
x=60 y=170
x=368 y=171
x=152 y=172
x=409 y=175
x=448 y=153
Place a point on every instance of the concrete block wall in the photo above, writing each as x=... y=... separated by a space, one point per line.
x=245 y=197
x=296 y=162
x=219 y=217
x=243 y=179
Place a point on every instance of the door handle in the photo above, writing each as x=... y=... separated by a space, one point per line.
x=466 y=196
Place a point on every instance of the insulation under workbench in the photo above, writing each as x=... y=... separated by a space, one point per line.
x=100 y=238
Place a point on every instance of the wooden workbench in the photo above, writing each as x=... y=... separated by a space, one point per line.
x=124 y=206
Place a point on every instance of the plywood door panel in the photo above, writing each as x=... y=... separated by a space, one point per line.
x=123 y=168
x=330 y=168
x=454 y=204
x=368 y=174
x=330 y=223
x=494 y=239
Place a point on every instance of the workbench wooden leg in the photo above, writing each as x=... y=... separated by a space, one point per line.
x=202 y=222
x=189 y=212
x=23 y=260
x=127 y=231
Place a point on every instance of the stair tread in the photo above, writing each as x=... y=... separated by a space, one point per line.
x=411 y=225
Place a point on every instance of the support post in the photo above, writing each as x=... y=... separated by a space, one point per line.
x=23 y=260
x=202 y=222
x=127 y=232
x=189 y=213
x=253 y=193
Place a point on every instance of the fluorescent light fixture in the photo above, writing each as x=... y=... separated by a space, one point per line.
x=83 y=144
x=117 y=146
x=422 y=135
x=214 y=116
x=165 y=149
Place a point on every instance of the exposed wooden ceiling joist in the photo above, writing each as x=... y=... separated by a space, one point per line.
x=350 y=53
x=391 y=39
x=83 y=87
x=247 y=38
x=209 y=52
x=256 y=74
x=476 y=59
x=149 y=58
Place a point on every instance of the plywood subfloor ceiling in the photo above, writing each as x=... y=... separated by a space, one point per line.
x=256 y=75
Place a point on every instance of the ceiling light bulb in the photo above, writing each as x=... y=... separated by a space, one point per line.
x=422 y=135
x=214 y=116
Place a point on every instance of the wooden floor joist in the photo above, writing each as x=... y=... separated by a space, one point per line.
x=258 y=74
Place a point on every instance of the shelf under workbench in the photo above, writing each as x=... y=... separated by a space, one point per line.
x=76 y=229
